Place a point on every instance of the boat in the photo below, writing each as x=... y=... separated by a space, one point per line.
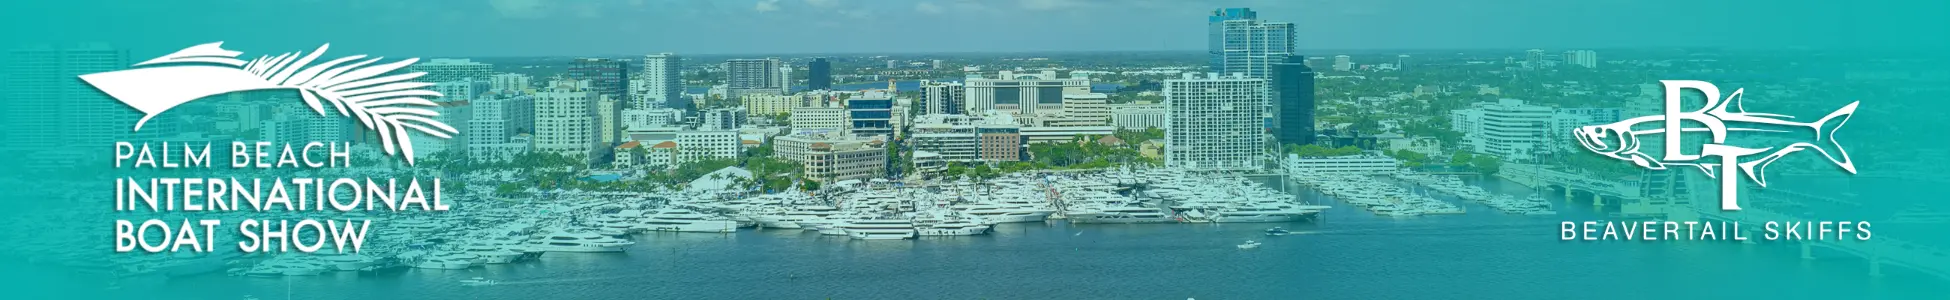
x=477 y=281
x=1249 y=245
x=952 y=227
x=1276 y=231
x=880 y=229
x=445 y=261
x=566 y=241
x=1121 y=215
x=684 y=220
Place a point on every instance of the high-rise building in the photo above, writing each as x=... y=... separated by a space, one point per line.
x=1343 y=63
x=942 y=97
x=294 y=123
x=566 y=122
x=828 y=119
x=770 y=105
x=607 y=77
x=819 y=74
x=1508 y=128
x=753 y=76
x=1241 y=43
x=698 y=145
x=664 y=83
x=870 y=116
x=892 y=64
x=41 y=89
x=510 y=82
x=451 y=69
x=609 y=121
x=1581 y=58
x=497 y=119
x=1401 y=62
x=1216 y=122
x=1020 y=93
x=1293 y=102
x=461 y=90
x=1533 y=58
x=723 y=119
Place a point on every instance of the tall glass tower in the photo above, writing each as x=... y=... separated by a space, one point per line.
x=1241 y=43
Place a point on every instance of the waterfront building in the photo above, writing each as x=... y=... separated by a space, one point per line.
x=829 y=157
x=1048 y=134
x=1239 y=42
x=1216 y=122
x=963 y=138
x=1352 y=164
x=1077 y=110
x=566 y=122
x=699 y=145
x=1507 y=128
x=42 y=89
x=1293 y=102
x=1021 y=94
x=819 y=74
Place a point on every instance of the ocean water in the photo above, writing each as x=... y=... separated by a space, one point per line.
x=1349 y=254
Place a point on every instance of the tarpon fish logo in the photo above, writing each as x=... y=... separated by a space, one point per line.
x=387 y=104
x=1718 y=117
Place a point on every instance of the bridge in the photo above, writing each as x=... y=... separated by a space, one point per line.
x=1573 y=184
x=1877 y=252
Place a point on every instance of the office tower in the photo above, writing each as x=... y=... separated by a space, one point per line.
x=752 y=76
x=566 y=122
x=1216 y=123
x=606 y=76
x=1241 y=43
x=870 y=115
x=1343 y=63
x=819 y=74
x=663 y=75
x=42 y=89
x=498 y=118
x=1581 y=58
x=1508 y=128
x=1293 y=102
x=723 y=119
x=942 y=97
x=1401 y=62
x=1020 y=93
x=1533 y=58
x=451 y=69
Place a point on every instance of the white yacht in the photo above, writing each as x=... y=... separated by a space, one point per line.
x=1121 y=215
x=952 y=227
x=880 y=229
x=1253 y=214
x=684 y=220
x=1007 y=214
x=579 y=242
x=445 y=261
x=491 y=254
x=349 y=261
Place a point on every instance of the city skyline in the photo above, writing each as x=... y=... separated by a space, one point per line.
x=537 y=28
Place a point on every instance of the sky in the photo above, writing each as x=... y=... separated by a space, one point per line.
x=628 y=27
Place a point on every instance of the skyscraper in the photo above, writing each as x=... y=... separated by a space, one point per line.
x=1216 y=123
x=1241 y=43
x=664 y=82
x=941 y=97
x=1581 y=58
x=1533 y=58
x=1343 y=63
x=819 y=74
x=42 y=89
x=606 y=76
x=1293 y=102
x=752 y=76
x=566 y=122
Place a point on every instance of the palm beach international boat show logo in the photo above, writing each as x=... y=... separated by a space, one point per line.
x=1719 y=118
x=389 y=104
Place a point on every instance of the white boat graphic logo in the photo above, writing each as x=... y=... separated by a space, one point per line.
x=1719 y=117
x=387 y=104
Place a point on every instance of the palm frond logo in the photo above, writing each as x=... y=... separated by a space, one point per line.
x=391 y=105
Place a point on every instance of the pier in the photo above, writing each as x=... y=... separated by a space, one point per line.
x=1602 y=192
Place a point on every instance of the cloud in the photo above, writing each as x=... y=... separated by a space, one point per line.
x=767 y=6
x=928 y=8
x=823 y=3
